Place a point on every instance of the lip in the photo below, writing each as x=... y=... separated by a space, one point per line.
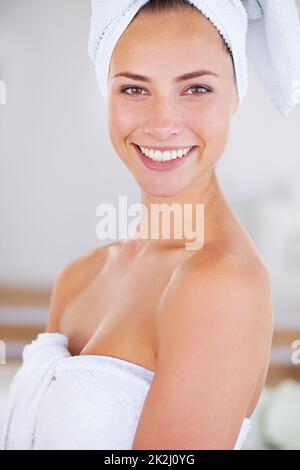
x=163 y=166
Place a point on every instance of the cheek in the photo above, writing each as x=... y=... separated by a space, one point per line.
x=120 y=120
x=121 y=125
x=213 y=128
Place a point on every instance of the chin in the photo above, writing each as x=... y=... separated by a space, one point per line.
x=158 y=190
x=162 y=194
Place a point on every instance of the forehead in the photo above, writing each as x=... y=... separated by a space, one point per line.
x=188 y=37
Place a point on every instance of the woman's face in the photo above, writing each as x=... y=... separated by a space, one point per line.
x=162 y=112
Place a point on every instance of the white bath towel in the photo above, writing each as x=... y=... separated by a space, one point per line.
x=267 y=32
x=59 y=401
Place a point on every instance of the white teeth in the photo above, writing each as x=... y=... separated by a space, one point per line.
x=159 y=156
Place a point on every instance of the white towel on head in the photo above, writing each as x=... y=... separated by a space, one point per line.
x=273 y=48
x=267 y=32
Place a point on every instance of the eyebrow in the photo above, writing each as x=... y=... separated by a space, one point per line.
x=181 y=78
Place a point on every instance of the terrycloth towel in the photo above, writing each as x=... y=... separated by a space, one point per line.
x=59 y=401
x=27 y=388
x=267 y=32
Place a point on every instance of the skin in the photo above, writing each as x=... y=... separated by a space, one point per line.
x=208 y=311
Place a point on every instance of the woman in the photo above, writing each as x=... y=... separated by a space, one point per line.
x=150 y=345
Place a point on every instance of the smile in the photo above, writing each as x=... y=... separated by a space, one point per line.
x=164 y=163
x=165 y=156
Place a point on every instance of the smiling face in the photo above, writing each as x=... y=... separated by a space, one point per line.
x=163 y=112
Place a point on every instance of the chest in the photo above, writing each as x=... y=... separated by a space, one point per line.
x=115 y=314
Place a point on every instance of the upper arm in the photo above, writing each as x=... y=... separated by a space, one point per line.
x=211 y=349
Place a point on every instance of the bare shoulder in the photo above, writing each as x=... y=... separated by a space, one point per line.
x=227 y=265
x=71 y=279
x=225 y=297
x=214 y=327
x=224 y=281
x=222 y=289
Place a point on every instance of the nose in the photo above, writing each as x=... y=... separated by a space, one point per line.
x=162 y=120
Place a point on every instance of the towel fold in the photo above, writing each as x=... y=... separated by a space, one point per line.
x=29 y=384
x=273 y=48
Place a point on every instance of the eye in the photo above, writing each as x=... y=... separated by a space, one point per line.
x=206 y=90
x=130 y=88
x=200 y=86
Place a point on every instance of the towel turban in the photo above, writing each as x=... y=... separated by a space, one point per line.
x=267 y=32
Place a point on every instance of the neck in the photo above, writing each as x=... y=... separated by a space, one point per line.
x=186 y=221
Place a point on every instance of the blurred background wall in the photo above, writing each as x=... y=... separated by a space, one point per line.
x=57 y=165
